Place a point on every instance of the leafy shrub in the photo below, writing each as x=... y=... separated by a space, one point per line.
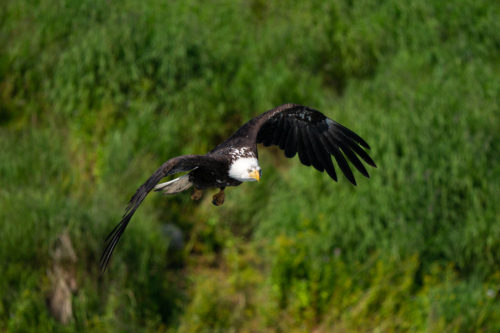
x=94 y=95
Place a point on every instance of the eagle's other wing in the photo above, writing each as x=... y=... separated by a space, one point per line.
x=296 y=128
x=174 y=165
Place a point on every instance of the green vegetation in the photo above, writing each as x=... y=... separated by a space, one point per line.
x=95 y=95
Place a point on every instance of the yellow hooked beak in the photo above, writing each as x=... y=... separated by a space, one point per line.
x=255 y=174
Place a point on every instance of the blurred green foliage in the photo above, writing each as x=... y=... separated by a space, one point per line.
x=94 y=95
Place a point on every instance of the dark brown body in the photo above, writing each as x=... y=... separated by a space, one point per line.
x=212 y=175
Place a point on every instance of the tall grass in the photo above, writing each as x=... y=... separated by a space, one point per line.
x=96 y=94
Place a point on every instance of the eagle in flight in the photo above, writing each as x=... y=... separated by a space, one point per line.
x=292 y=127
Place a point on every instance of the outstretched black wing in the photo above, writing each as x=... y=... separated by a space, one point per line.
x=296 y=128
x=174 y=165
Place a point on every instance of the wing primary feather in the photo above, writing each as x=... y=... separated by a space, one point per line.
x=364 y=155
x=334 y=150
x=308 y=149
x=291 y=142
x=340 y=136
x=353 y=158
x=323 y=155
x=355 y=161
x=317 y=149
x=331 y=169
x=315 y=158
x=302 y=149
x=347 y=132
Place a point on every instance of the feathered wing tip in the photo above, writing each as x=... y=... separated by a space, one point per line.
x=135 y=201
x=316 y=138
x=354 y=141
x=112 y=240
x=174 y=165
x=341 y=142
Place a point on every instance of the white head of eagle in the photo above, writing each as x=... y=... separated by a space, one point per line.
x=245 y=169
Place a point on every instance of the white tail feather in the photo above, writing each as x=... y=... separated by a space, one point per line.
x=175 y=185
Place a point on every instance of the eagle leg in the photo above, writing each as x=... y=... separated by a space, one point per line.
x=218 y=198
x=197 y=194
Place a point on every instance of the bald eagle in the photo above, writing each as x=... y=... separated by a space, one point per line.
x=292 y=127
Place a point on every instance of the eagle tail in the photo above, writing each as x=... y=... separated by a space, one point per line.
x=174 y=186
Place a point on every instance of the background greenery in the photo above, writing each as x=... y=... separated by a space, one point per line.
x=95 y=95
